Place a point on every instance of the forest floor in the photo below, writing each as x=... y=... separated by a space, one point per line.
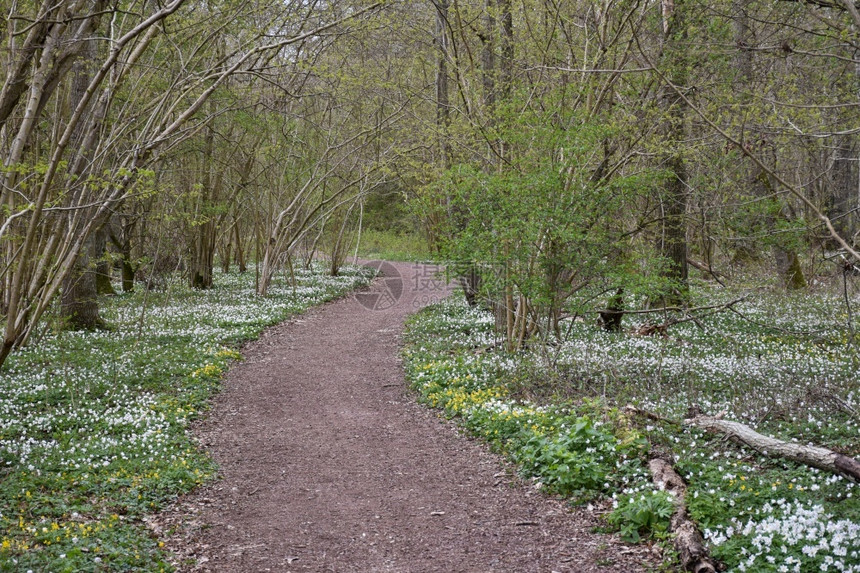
x=328 y=464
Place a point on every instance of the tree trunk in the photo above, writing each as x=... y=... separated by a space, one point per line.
x=786 y=260
x=788 y=267
x=79 y=301
x=240 y=251
x=102 y=263
x=79 y=305
x=506 y=69
x=204 y=243
x=470 y=280
x=122 y=244
x=203 y=257
x=673 y=243
x=341 y=241
x=610 y=317
x=127 y=274
x=488 y=58
x=226 y=252
x=844 y=207
x=442 y=101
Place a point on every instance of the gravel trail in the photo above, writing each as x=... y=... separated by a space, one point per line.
x=327 y=464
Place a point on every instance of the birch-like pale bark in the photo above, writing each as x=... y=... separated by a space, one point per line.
x=815 y=456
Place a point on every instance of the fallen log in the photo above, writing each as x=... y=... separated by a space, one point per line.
x=814 y=456
x=631 y=409
x=649 y=329
x=688 y=542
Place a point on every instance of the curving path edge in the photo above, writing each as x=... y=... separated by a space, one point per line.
x=327 y=464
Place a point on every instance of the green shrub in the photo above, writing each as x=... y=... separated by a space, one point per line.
x=642 y=516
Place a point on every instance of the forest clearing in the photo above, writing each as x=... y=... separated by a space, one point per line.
x=651 y=208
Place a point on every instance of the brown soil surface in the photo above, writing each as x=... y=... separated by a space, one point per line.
x=328 y=464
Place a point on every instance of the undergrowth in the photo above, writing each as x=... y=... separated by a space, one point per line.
x=93 y=424
x=783 y=365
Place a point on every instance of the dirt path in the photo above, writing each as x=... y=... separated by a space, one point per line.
x=328 y=465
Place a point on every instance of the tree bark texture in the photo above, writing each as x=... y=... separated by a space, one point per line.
x=688 y=542
x=205 y=232
x=844 y=208
x=102 y=263
x=442 y=100
x=79 y=301
x=674 y=201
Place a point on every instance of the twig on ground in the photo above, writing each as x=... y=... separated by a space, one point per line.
x=714 y=309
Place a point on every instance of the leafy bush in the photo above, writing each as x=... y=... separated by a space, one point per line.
x=642 y=516
x=576 y=460
x=569 y=451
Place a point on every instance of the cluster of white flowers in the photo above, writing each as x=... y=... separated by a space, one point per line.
x=747 y=370
x=794 y=537
x=59 y=414
x=743 y=368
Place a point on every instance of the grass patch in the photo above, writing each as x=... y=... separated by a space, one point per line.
x=393 y=246
x=787 y=366
x=92 y=424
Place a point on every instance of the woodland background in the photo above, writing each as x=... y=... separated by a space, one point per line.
x=653 y=207
x=584 y=146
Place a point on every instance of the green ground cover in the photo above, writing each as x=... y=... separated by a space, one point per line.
x=93 y=424
x=785 y=365
x=393 y=245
